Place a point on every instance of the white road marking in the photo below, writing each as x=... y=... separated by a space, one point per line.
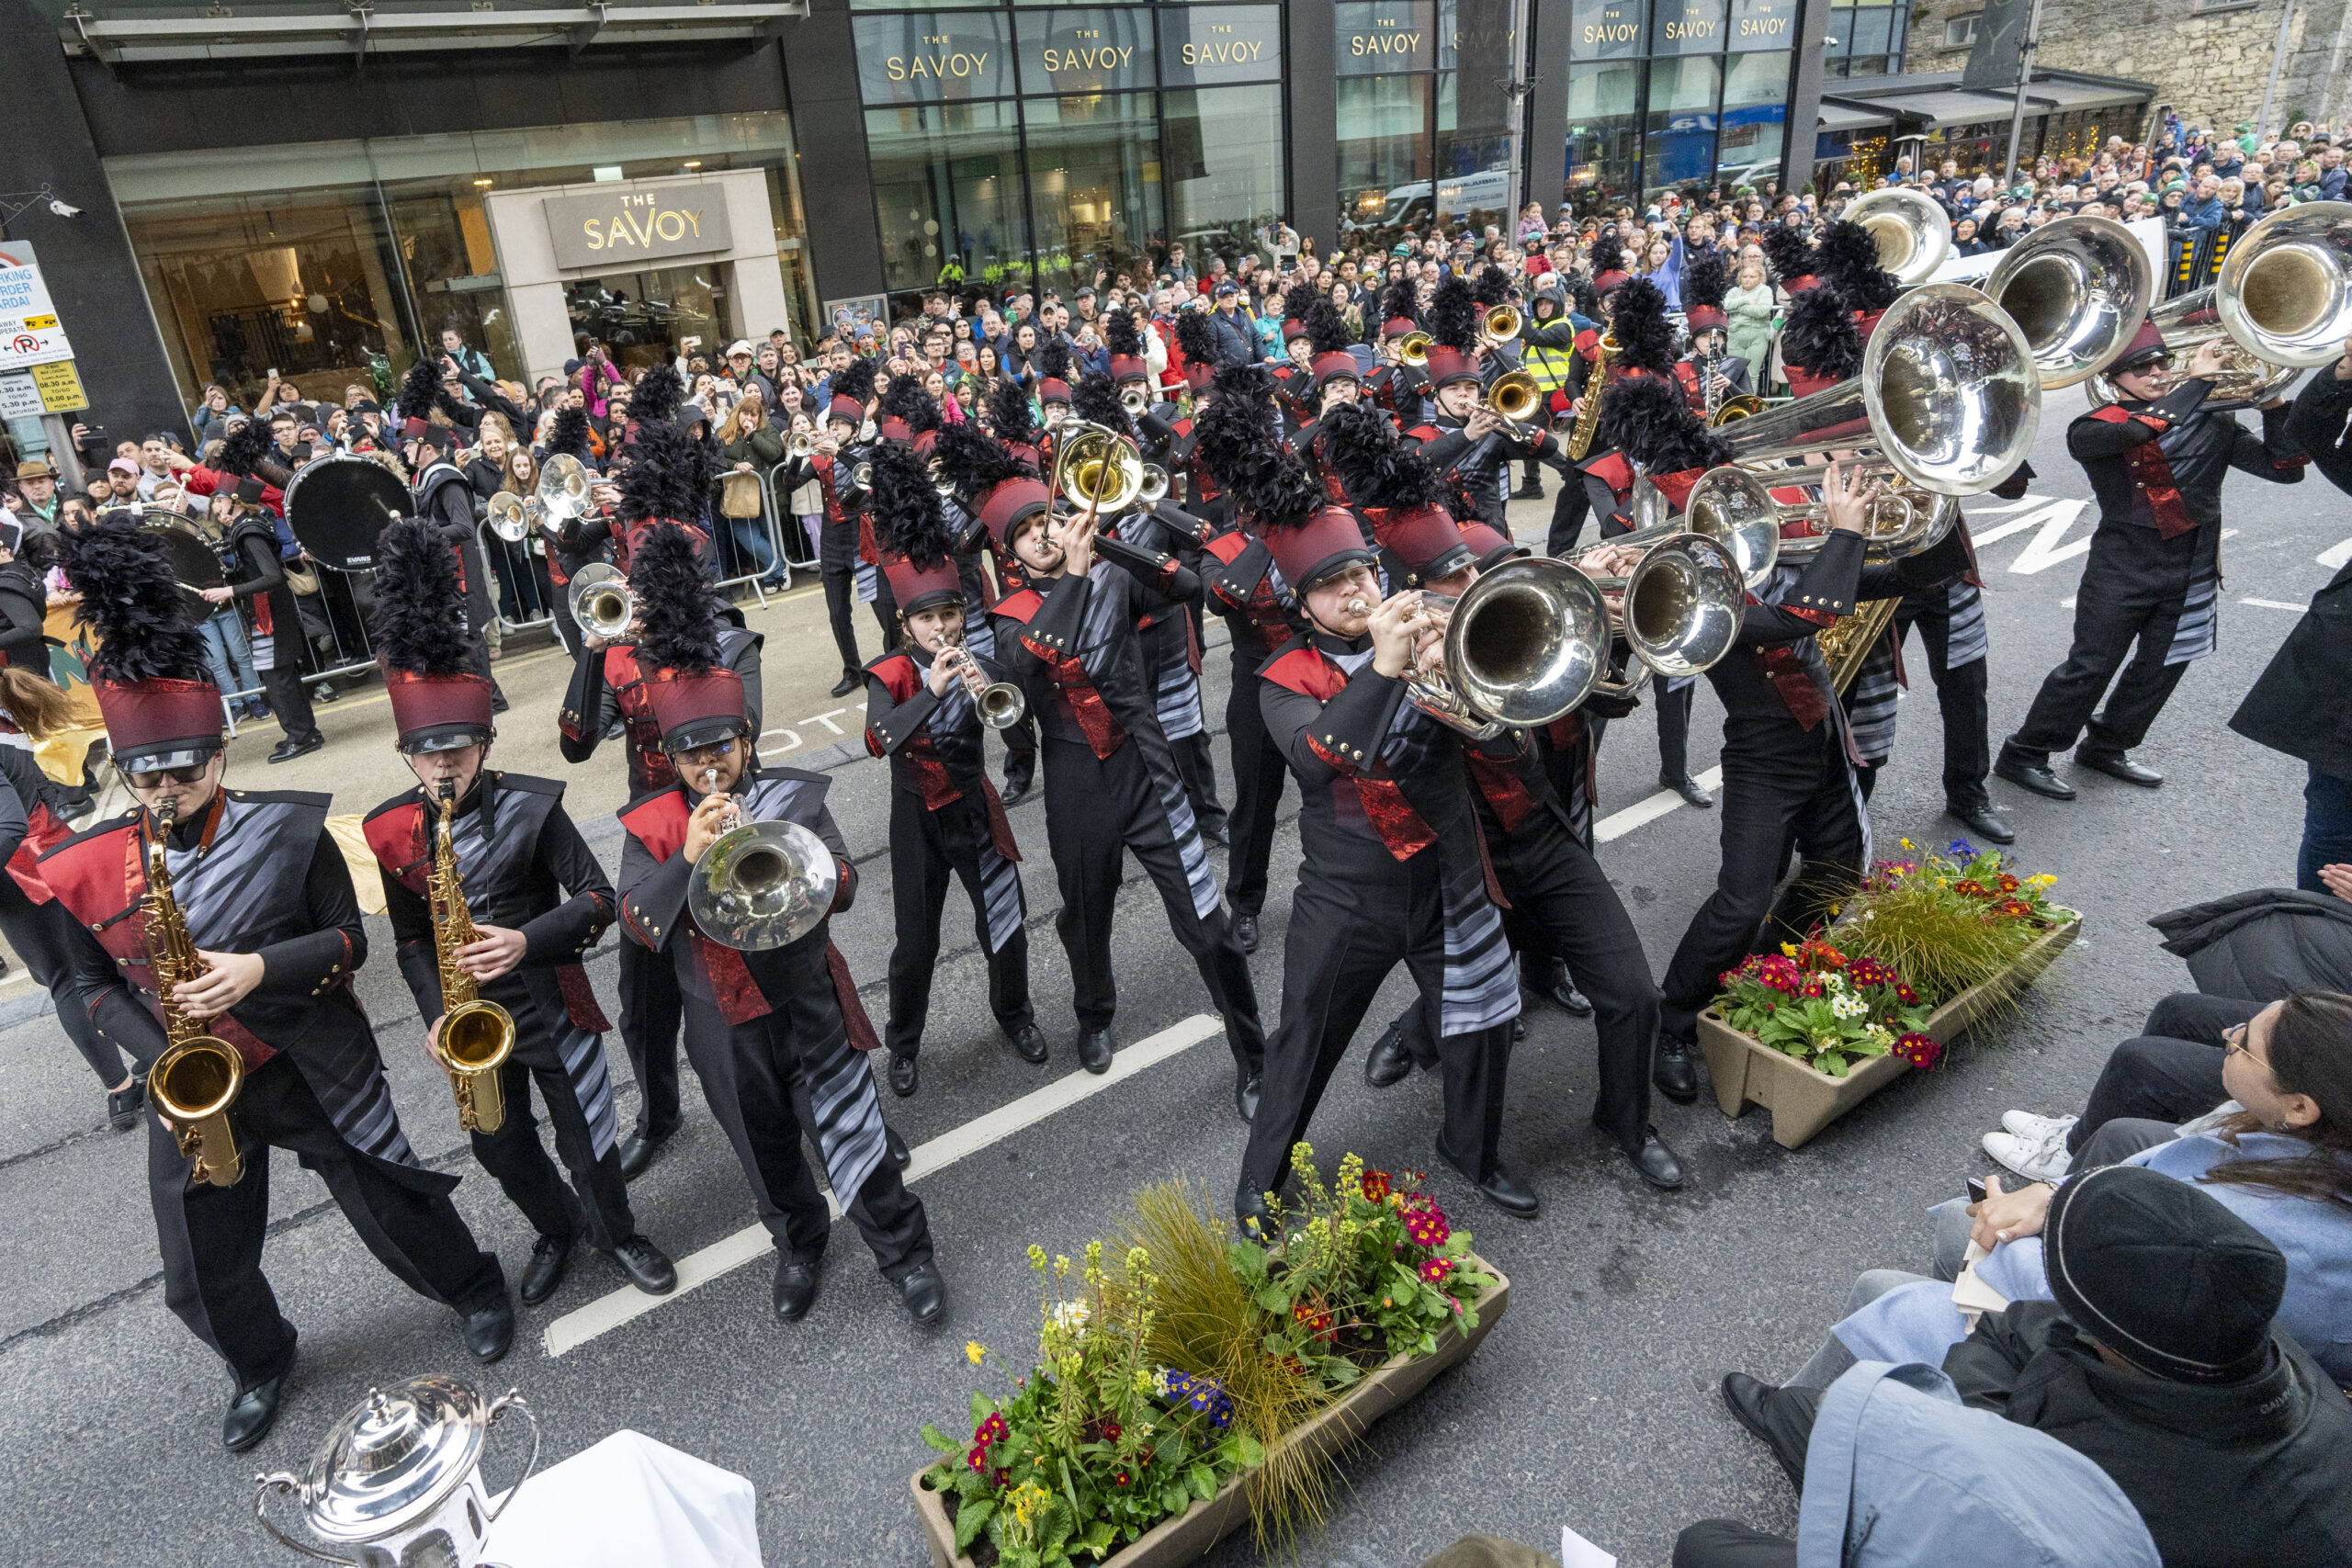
x=606 y=1313
x=2044 y=550
x=1618 y=824
x=2336 y=555
x=2275 y=605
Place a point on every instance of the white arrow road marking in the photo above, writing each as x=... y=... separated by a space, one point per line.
x=2336 y=555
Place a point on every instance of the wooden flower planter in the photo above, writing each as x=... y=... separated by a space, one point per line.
x=1188 y=1535
x=1803 y=1099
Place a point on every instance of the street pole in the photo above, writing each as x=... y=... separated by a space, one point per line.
x=2278 y=63
x=2025 y=77
x=1515 y=91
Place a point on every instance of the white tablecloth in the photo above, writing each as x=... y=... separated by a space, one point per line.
x=629 y=1502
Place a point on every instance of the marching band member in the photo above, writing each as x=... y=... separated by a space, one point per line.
x=1709 y=374
x=1337 y=380
x=2156 y=460
x=1394 y=384
x=575 y=543
x=1295 y=372
x=768 y=1030
x=1556 y=892
x=539 y=899
x=1203 y=494
x=1052 y=393
x=1014 y=425
x=446 y=497
x=1393 y=870
x=922 y=713
x=275 y=928
x=259 y=575
x=608 y=683
x=1463 y=437
x=1111 y=781
x=833 y=464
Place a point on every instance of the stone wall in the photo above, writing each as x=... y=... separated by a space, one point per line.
x=2211 y=65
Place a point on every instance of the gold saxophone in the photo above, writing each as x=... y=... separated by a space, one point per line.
x=1848 y=643
x=477 y=1036
x=1589 y=417
x=198 y=1076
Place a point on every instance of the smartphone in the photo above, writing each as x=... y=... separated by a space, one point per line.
x=1975 y=1184
x=273 y=372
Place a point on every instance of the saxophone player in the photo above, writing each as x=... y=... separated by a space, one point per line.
x=537 y=901
x=274 y=939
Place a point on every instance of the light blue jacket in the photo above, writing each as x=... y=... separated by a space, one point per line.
x=1899 y=1473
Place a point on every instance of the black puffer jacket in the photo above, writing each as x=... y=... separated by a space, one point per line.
x=2259 y=945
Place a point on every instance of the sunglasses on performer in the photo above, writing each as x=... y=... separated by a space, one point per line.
x=157 y=778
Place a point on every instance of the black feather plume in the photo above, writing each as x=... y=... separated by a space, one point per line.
x=657 y=394
x=419 y=389
x=1240 y=423
x=568 y=433
x=1787 y=251
x=249 y=453
x=1096 y=401
x=1011 y=413
x=1454 y=317
x=667 y=477
x=1120 y=336
x=854 y=382
x=130 y=602
x=908 y=519
x=1608 y=254
x=1821 y=338
x=1326 y=330
x=1266 y=479
x=1379 y=471
x=908 y=402
x=1706 y=274
x=1401 y=301
x=1639 y=325
x=1052 y=361
x=1849 y=260
x=419 y=621
x=1647 y=418
x=971 y=459
x=1581 y=297
x=1491 y=288
x=1195 y=338
x=677 y=606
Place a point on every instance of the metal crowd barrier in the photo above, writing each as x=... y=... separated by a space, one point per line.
x=797 y=550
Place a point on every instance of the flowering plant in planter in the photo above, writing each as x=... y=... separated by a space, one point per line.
x=1951 y=920
x=1827 y=1008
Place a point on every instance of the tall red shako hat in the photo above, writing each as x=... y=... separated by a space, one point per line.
x=1705 y=277
x=697 y=701
x=909 y=413
x=1284 y=504
x=1788 y=255
x=1196 y=340
x=1642 y=413
x=1607 y=254
x=852 y=389
x=1400 y=305
x=1454 y=333
x=997 y=486
x=1052 y=361
x=1326 y=330
x=149 y=672
x=1401 y=495
x=911 y=529
x=440 y=699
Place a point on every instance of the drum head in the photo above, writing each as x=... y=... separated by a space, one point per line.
x=193 y=564
x=335 y=507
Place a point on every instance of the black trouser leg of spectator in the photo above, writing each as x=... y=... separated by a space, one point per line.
x=1674 y=728
x=2193 y=1015
x=2151 y=1078
x=650 y=1012
x=289 y=696
x=1727 y=1543
x=1258 y=775
x=2118 y=1140
x=41 y=933
x=841 y=591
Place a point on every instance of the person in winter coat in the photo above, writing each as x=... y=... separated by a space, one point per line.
x=1751 y=305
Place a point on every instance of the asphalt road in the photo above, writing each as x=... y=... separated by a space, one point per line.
x=1591 y=1405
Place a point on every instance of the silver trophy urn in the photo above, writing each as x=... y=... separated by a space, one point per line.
x=398 y=1482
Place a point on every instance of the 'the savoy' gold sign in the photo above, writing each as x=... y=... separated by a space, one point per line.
x=631 y=224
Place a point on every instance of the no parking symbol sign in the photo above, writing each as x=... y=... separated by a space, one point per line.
x=30 y=332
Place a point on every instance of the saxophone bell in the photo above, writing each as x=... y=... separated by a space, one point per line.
x=199 y=1076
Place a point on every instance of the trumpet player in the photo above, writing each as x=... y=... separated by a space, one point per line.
x=1397 y=382
x=1464 y=438
x=832 y=461
x=275 y=940
x=1337 y=381
x=922 y=712
x=2156 y=460
x=775 y=1034
x=539 y=901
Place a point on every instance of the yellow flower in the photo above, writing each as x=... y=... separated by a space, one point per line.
x=1788 y=950
x=974 y=1350
x=1907 y=844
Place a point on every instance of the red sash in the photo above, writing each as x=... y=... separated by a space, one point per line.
x=1400 y=826
x=1500 y=783
x=1616 y=471
x=2151 y=471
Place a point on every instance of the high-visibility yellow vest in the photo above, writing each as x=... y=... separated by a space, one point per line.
x=1553 y=368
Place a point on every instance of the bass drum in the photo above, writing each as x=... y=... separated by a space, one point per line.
x=337 y=506
x=195 y=565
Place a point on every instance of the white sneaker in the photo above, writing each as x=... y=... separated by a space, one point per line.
x=2032 y=1128
x=2043 y=1159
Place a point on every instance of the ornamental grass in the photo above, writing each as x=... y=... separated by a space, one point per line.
x=1948 y=922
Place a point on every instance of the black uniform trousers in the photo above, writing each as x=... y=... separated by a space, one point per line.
x=1258 y=775
x=1960 y=694
x=1797 y=790
x=518 y=1161
x=1344 y=938
x=837 y=565
x=1168 y=640
x=1561 y=904
x=753 y=1076
x=1674 y=728
x=2135 y=586
x=886 y=610
x=1094 y=809
x=290 y=698
x=41 y=933
x=651 y=1010
x=926 y=848
x=211 y=1236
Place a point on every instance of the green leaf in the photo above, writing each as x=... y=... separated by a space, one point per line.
x=1100 y=1536
x=940 y=1440
x=971 y=1519
x=1254 y=1453
x=1201 y=1479
x=982 y=1409
x=1272 y=1298
x=1174 y=1499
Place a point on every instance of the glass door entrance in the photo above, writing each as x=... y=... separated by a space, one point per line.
x=643 y=318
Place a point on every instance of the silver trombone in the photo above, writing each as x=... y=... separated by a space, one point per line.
x=564 y=489
x=2078 y=287
x=1524 y=644
x=1911 y=230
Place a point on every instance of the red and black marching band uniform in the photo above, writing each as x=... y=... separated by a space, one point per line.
x=2154 y=576
x=250 y=565
x=840 y=542
x=1111 y=780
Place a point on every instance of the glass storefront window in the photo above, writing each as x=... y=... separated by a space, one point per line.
x=1094 y=186
x=1604 y=135
x=1678 y=151
x=1755 y=112
x=1686 y=26
x=1385 y=158
x=1223 y=148
x=1473 y=152
x=947 y=185
x=644 y=318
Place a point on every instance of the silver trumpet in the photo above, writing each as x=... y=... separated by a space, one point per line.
x=602 y=603
x=512 y=517
x=760 y=885
x=1000 y=703
x=1135 y=397
x=1154 y=489
x=563 y=492
x=1524 y=644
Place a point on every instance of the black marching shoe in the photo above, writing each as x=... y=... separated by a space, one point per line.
x=896 y=1148
x=1245 y=1094
x=489 y=1331
x=1674 y=1073
x=1527 y=492
x=1015 y=790
x=251 y=1415
x=2116 y=765
x=295 y=746
x=1028 y=1043
x=1982 y=818
x=1094 y=1050
x=1245 y=931
x=1501 y=1188
x=1519 y=1029
x=1387 y=1064
x=1550 y=980
x=849 y=681
x=550 y=1256
x=122 y=1104
x=924 y=1294
x=1250 y=1213
x=647 y=1266
x=795 y=1291
x=1218 y=836
x=1779 y=1416
x=1654 y=1163
x=637 y=1153
x=1688 y=788
x=904 y=1074
x=2035 y=776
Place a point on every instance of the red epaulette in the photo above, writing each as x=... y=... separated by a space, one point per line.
x=1615 y=470
x=1423 y=433
x=659 y=822
x=1307 y=672
x=2114 y=414
x=1020 y=606
x=395 y=833
x=1226 y=546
